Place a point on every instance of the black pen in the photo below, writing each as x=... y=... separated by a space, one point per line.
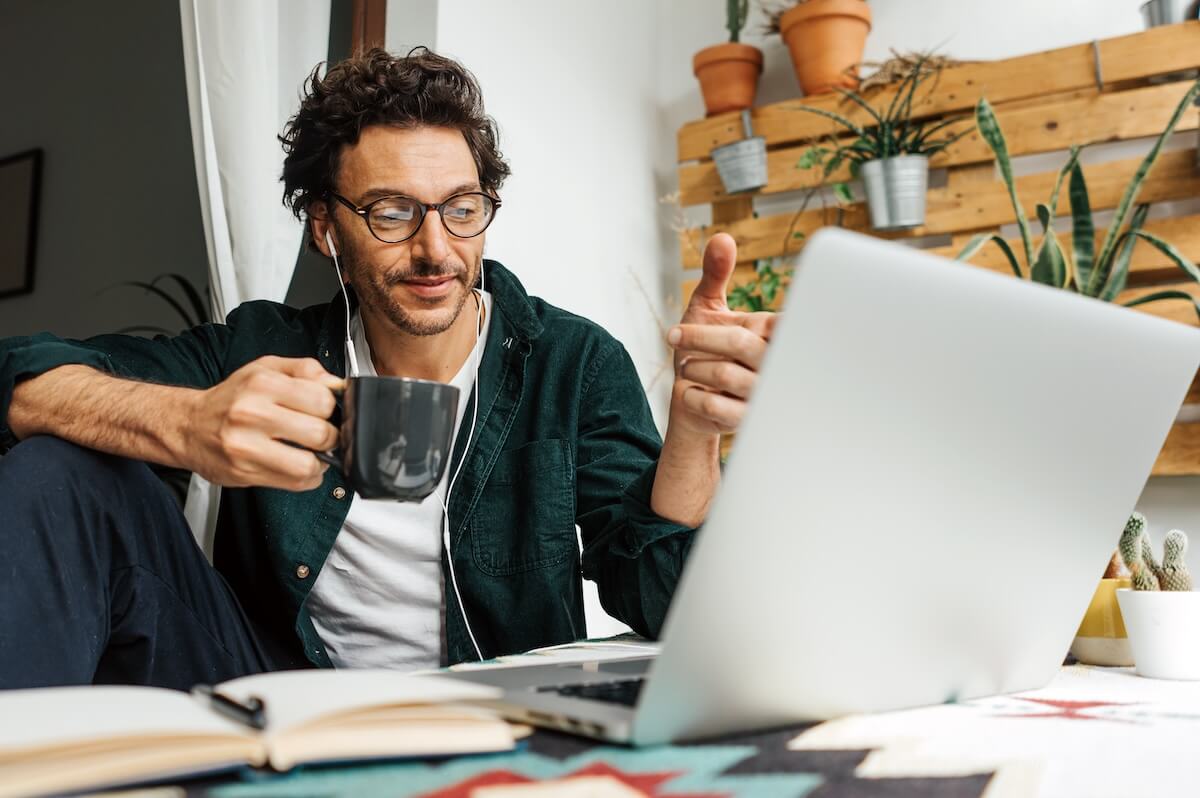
x=252 y=713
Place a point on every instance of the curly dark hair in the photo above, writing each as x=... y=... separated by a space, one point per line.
x=377 y=88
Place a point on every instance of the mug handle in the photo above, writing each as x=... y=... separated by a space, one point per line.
x=333 y=458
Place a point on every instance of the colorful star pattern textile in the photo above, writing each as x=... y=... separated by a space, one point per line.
x=1092 y=732
x=557 y=766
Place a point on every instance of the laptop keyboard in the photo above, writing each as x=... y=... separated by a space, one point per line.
x=623 y=691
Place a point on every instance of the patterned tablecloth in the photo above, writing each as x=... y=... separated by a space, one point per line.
x=1093 y=732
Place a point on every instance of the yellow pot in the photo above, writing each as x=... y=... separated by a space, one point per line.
x=1101 y=639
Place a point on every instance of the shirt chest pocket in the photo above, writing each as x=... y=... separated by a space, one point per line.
x=525 y=517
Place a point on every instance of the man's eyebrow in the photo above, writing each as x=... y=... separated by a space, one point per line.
x=384 y=191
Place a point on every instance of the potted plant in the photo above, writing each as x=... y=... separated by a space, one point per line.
x=1101 y=275
x=728 y=73
x=890 y=152
x=1102 y=638
x=1161 y=611
x=825 y=39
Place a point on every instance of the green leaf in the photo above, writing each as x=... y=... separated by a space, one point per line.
x=938 y=146
x=976 y=244
x=199 y=305
x=1045 y=217
x=811 y=157
x=855 y=98
x=1072 y=160
x=1050 y=267
x=1083 y=230
x=1116 y=270
x=843 y=193
x=1171 y=252
x=1135 y=185
x=841 y=120
x=989 y=129
x=1158 y=296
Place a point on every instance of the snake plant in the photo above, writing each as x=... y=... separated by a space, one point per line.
x=1102 y=274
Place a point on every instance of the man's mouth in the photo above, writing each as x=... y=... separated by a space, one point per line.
x=430 y=287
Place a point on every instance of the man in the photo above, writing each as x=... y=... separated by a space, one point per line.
x=393 y=162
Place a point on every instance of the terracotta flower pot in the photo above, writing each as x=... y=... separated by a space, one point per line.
x=825 y=39
x=728 y=75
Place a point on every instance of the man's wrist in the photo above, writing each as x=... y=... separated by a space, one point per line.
x=178 y=436
x=689 y=471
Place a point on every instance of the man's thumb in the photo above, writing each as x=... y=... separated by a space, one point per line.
x=720 y=257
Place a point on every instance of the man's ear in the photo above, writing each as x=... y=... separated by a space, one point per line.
x=319 y=224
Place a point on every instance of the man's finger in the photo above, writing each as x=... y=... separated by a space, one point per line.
x=304 y=368
x=761 y=324
x=308 y=431
x=724 y=376
x=724 y=412
x=734 y=343
x=720 y=256
x=307 y=396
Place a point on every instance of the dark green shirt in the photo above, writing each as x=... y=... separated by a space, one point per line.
x=564 y=437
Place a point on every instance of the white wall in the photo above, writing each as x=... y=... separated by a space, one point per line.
x=100 y=87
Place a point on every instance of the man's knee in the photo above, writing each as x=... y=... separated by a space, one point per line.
x=45 y=464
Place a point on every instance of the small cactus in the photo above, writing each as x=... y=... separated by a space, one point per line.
x=735 y=17
x=1134 y=547
x=1138 y=554
x=1174 y=573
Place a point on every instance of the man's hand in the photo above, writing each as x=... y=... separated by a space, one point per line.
x=238 y=427
x=717 y=356
x=717 y=351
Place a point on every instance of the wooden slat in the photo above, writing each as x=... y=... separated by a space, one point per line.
x=1148 y=264
x=1045 y=127
x=949 y=210
x=732 y=209
x=1180 y=456
x=1158 y=51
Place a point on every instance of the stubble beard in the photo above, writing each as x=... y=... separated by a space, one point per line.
x=376 y=291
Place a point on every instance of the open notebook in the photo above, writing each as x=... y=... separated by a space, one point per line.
x=71 y=738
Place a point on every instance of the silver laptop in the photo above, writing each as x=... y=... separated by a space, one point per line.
x=934 y=469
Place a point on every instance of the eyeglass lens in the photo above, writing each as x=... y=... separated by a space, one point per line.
x=394 y=219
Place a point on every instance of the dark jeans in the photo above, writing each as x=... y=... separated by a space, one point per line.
x=101 y=580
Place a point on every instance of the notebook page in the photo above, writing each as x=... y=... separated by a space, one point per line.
x=61 y=715
x=295 y=697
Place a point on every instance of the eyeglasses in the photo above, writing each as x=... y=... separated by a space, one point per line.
x=398 y=218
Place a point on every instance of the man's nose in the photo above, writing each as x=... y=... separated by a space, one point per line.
x=431 y=242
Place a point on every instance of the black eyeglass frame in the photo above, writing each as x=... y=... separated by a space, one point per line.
x=423 y=208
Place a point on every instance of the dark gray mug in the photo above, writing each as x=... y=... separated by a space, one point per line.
x=395 y=438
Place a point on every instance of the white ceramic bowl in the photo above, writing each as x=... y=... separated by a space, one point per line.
x=1164 y=632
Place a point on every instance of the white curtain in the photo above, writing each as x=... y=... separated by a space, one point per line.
x=245 y=61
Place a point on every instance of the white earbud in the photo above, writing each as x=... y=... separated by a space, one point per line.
x=351 y=355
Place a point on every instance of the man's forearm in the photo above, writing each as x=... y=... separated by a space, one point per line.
x=96 y=410
x=689 y=471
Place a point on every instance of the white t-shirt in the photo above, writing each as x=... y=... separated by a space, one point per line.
x=379 y=601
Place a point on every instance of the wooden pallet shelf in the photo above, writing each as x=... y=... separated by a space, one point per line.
x=1045 y=102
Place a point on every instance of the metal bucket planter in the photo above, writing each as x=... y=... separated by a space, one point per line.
x=1168 y=12
x=896 y=191
x=742 y=165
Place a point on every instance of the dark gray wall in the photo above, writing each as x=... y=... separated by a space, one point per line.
x=100 y=87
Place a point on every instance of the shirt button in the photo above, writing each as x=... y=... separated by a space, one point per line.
x=339 y=493
x=302 y=571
